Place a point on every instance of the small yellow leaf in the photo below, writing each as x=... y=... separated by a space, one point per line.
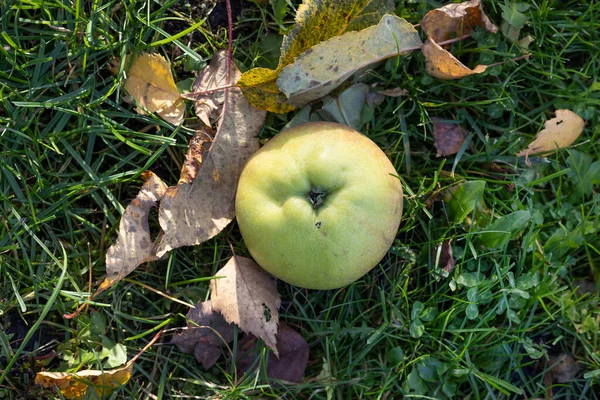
x=76 y=385
x=150 y=82
x=558 y=133
x=441 y=64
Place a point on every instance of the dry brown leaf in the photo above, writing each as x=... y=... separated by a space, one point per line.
x=441 y=64
x=192 y=213
x=76 y=385
x=206 y=331
x=563 y=368
x=134 y=244
x=394 y=92
x=448 y=138
x=558 y=133
x=207 y=100
x=293 y=355
x=199 y=144
x=446 y=259
x=455 y=20
x=150 y=82
x=244 y=295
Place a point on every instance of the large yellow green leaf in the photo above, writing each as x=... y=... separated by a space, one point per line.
x=316 y=21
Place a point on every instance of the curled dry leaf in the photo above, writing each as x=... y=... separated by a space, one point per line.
x=191 y=213
x=448 y=137
x=76 y=385
x=558 y=133
x=150 y=82
x=441 y=64
x=206 y=331
x=247 y=296
x=134 y=244
x=455 y=20
x=199 y=144
x=291 y=363
x=316 y=21
x=394 y=92
x=316 y=72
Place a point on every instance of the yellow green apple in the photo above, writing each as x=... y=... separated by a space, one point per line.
x=319 y=205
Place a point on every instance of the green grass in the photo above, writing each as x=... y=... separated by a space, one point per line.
x=71 y=155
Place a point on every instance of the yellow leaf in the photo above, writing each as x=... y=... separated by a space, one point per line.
x=558 y=133
x=150 y=82
x=76 y=385
x=441 y=64
x=316 y=21
x=455 y=20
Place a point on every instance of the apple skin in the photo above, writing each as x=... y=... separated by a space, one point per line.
x=319 y=205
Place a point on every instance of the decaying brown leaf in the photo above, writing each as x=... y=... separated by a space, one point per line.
x=394 y=92
x=448 y=137
x=441 y=64
x=563 y=368
x=134 y=244
x=199 y=144
x=247 y=296
x=442 y=255
x=76 y=385
x=192 y=213
x=558 y=133
x=291 y=363
x=456 y=19
x=204 y=335
x=208 y=100
x=150 y=82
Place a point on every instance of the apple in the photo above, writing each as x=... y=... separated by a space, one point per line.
x=319 y=205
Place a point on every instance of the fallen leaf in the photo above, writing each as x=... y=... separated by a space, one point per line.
x=394 y=92
x=441 y=64
x=291 y=363
x=150 y=82
x=455 y=20
x=247 y=296
x=346 y=108
x=442 y=255
x=191 y=213
x=316 y=72
x=76 y=385
x=207 y=99
x=563 y=368
x=558 y=133
x=514 y=19
x=206 y=331
x=134 y=245
x=448 y=137
x=498 y=233
x=199 y=144
x=316 y=21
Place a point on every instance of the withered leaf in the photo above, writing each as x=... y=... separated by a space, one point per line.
x=199 y=144
x=455 y=20
x=134 y=245
x=247 y=296
x=204 y=335
x=293 y=355
x=207 y=100
x=150 y=82
x=442 y=254
x=558 y=133
x=394 y=92
x=563 y=368
x=76 y=385
x=192 y=213
x=441 y=64
x=316 y=72
x=448 y=137
x=316 y=21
